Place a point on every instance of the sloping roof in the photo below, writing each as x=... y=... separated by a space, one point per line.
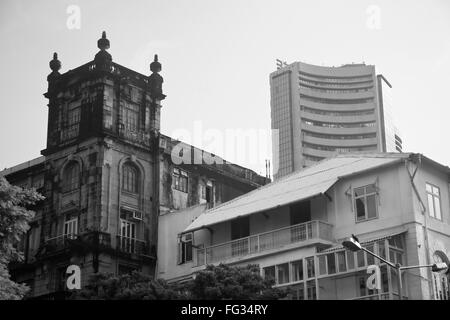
x=297 y=186
x=22 y=166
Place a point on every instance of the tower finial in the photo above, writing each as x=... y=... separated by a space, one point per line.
x=155 y=80
x=103 y=42
x=155 y=66
x=55 y=64
x=103 y=59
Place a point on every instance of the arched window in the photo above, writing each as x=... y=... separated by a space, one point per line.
x=71 y=177
x=441 y=282
x=130 y=178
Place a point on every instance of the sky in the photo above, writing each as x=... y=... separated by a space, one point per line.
x=216 y=59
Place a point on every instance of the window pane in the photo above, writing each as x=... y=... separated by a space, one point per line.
x=360 y=259
x=283 y=273
x=381 y=249
x=371 y=188
x=429 y=188
x=362 y=286
x=310 y=267
x=269 y=273
x=370 y=259
x=341 y=261
x=350 y=259
x=360 y=209
x=399 y=258
x=331 y=263
x=130 y=180
x=311 y=288
x=392 y=256
x=359 y=192
x=297 y=270
x=437 y=208
x=371 y=207
x=436 y=191
x=430 y=205
x=188 y=251
x=301 y=292
x=322 y=265
x=384 y=279
x=398 y=242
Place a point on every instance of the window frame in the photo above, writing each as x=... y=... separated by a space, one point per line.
x=131 y=117
x=365 y=196
x=127 y=169
x=434 y=196
x=68 y=174
x=73 y=224
x=184 y=247
x=180 y=180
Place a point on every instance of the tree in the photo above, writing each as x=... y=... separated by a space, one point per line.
x=215 y=282
x=14 y=219
x=134 y=286
x=226 y=282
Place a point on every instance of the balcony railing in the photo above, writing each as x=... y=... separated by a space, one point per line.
x=265 y=241
x=132 y=245
x=60 y=242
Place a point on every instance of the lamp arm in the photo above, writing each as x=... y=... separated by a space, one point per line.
x=378 y=257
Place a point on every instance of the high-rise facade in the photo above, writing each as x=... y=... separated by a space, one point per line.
x=320 y=111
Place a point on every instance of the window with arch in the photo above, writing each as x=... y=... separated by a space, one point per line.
x=71 y=177
x=441 y=281
x=130 y=178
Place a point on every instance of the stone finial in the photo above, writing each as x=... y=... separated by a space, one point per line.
x=103 y=59
x=55 y=64
x=155 y=66
x=103 y=42
x=155 y=80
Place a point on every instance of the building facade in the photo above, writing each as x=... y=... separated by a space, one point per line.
x=397 y=204
x=320 y=111
x=107 y=173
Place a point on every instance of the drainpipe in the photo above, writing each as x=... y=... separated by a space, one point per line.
x=417 y=159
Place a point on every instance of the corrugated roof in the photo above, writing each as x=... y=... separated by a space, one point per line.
x=297 y=186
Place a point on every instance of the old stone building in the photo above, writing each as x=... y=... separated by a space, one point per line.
x=107 y=174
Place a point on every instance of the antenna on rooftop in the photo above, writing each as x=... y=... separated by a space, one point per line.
x=281 y=64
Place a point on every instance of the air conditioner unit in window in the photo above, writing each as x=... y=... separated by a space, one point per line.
x=137 y=215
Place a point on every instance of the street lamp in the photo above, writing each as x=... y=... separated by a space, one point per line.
x=353 y=244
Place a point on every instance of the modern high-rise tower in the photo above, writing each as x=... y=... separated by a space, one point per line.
x=320 y=111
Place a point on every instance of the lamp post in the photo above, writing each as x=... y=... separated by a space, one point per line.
x=353 y=244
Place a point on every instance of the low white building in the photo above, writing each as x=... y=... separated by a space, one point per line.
x=397 y=204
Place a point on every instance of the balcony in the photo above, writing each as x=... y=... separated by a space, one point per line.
x=85 y=241
x=135 y=136
x=133 y=246
x=263 y=242
x=60 y=242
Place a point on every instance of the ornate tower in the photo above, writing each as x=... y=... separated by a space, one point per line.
x=102 y=168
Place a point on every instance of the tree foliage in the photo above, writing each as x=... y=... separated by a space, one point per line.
x=215 y=282
x=134 y=286
x=14 y=219
x=227 y=282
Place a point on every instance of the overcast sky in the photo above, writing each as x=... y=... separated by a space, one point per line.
x=217 y=56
